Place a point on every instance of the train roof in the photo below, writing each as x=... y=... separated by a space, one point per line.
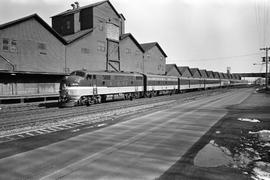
x=109 y=73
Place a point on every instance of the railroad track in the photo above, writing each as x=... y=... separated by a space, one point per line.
x=32 y=116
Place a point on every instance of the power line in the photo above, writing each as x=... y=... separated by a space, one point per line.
x=220 y=58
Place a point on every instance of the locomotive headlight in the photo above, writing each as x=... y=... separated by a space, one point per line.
x=74 y=84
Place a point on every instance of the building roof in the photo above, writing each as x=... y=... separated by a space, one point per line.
x=123 y=36
x=185 y=70
x=122 y=16
x=194 y=70
x=234 y=76
x=147 y=46
x=210 y=74
x=78 y=35
x=203 y=73
x=38 y=19
x=72 y=11
x=171 y=66
x=216 y=75
x=225 y=75
x=229 y=75
x=221 y=75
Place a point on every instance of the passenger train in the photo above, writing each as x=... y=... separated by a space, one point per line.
x=87 y=87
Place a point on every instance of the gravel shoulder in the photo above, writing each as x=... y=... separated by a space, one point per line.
x=237 y=147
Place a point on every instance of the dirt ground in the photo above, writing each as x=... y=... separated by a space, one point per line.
x=237 y=147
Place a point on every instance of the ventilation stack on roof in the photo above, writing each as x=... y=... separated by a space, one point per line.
x=73 y=6
x=77 y=4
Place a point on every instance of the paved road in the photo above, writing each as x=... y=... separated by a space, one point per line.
x=140 y=148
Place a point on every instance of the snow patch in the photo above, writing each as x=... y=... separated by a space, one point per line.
x=248 y=120
x=264 y=135
x=261 y=171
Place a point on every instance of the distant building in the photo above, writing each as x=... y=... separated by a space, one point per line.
x=172 y=70
x=131 y=54
x=203 y=73
x=185 y=71
x=225 y=75
x=154 y=58
x=216 y=75
x=210 y=74
x=195 y=73
x=221 y=75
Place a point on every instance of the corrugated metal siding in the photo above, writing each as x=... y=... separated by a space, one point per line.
x=105 y=12
x=154 y=61
x=30 y=38
x=85 y=53
x=131 y=57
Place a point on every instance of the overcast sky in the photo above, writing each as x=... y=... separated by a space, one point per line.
x=208 y=34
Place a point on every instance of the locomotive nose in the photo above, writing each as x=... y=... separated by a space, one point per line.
x=73 y=80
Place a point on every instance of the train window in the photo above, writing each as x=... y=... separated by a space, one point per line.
x=89 y=76
x=138 y=78
x=106 y=77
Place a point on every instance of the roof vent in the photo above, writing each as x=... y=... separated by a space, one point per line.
x=77 y=4
x=73 y=6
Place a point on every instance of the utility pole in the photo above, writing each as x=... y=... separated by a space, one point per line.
x=266 y=62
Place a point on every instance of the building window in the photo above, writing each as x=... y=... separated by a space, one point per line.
x=100 y=26
x=5 y=44
x=13 y=47
x=85 y=50
x=101 y=46
x=161 y=58
x=128 y=51
x=42 y=48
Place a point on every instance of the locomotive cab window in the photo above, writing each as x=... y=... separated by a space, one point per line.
x=78 y=73
x=89 y=76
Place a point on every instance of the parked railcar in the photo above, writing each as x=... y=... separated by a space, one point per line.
x=212 y=83
x=158 y=84
x=83 y=87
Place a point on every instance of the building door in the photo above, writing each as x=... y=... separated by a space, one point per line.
x=113 y=56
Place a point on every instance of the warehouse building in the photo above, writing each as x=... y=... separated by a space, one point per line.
x=131 y=54
x=210 y=74
x=185 y=71
x=154 y=58
x=203 y=73
x=216 y=75
x=32 y=58
x=195 y=73
x=172 y=70
x=92 y=33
